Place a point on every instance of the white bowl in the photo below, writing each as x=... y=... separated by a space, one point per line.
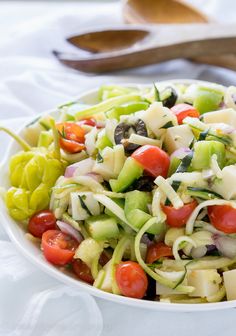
x=30 y=251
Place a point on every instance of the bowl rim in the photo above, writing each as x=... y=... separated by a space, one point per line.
x=13 y=231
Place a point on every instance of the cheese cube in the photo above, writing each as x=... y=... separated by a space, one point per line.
x=227 y=116
x=226 y=186
x=205 y=282
x=157 y=116
x=230 y=284
x=177 y=137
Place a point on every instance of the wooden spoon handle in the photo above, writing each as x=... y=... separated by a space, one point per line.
x=128 y=59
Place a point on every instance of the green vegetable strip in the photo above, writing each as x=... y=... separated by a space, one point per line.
x=57 y=151
x=154 y=275
x=18 y=139
x=118 y=253
x=106 y=105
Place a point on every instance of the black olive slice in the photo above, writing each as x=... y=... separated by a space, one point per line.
x=170 y=96
x=123 y=132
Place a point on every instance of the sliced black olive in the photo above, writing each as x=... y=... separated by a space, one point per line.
x=169 y=97
x=123 y=132
x=144 y=183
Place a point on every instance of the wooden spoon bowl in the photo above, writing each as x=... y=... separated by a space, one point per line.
x=161 y=11
x=108 y=40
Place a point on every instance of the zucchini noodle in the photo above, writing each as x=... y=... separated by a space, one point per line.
x=178 y=242
x=148 y=270
x=190 y=222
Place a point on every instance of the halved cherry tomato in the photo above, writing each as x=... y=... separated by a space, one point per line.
x=41 y=222
x=156 y=251
x=223 y=218
x=178 y=217
x=82 y=271
x=87 y=121
x=71 y=146
x=131 y=279
x=104 y=258
x=153 y=160
x=72 y=137
x=184 y=110
x=58 y=247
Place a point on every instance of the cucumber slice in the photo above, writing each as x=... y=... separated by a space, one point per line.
x=45 y=139
x=202 y=193
x=130 y=172
x=102 y=227
x=203 y=151
x=207 y=100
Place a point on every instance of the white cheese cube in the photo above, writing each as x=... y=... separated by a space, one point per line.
x=177 y=137
x=205 y=282
x=156 y=116
x=226 y=186
x=230 y=284
x=227 y=116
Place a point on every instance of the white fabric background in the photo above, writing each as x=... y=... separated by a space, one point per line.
x=31 y=80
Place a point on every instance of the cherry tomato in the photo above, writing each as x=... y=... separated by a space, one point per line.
x=71 y=146
x=178 y=217
x=72 y=137
x=131 y=279
x=223 y=218
x=153 y=159
x=156 y=251
x=87 y=121
x=58 y=247
x=184 y=110
x=82 y=271
x=41 y=222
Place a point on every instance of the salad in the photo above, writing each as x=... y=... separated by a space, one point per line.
x=135 y=195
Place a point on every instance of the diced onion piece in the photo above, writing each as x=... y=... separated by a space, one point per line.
x=169 y=192
x=226 y=245
x=67 y=228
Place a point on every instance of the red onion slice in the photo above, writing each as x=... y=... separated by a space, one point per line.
x=67 y=228
x=226 y=245
x=80 y=168
x=180 y=153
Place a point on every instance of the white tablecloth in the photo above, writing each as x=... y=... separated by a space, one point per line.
x=31 y=80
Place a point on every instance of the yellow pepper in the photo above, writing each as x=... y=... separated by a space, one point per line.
x=32 y=174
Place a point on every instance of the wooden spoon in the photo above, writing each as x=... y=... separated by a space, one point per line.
x=171 y=11
x=164 y=42
x=161 y=11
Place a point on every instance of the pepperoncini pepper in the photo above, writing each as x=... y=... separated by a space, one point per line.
x=33 y=172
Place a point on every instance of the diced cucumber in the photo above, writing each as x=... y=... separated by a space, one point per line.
x=130 y=108
x=103 y=140
x=174 y=164
x=45 y=139
x=102 y=227
x=207 y=100
x=136 y=200
x=129 y=173
x=88 y=250
x=203 y=151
